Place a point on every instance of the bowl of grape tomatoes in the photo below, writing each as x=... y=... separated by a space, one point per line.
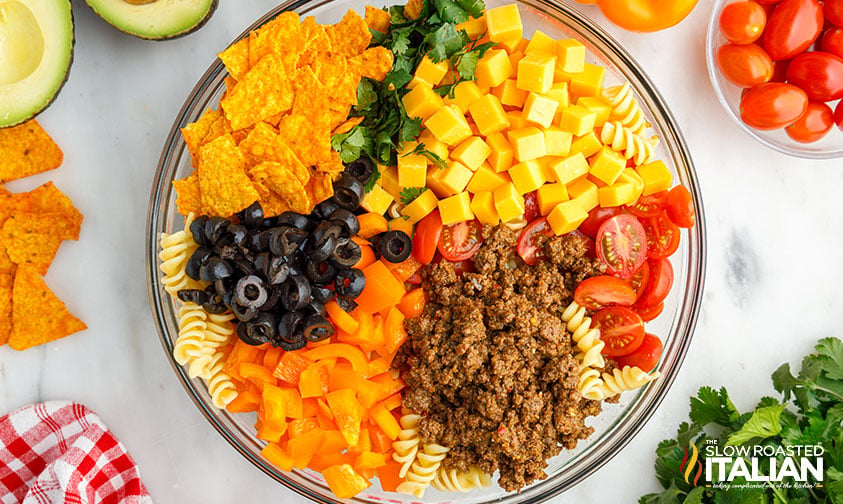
x=777 y=68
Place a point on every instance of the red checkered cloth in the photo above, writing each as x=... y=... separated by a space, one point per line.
x=61 y=452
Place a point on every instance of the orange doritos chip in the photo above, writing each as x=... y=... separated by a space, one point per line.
x=321 y=187
x=374 y=63
x=264 y=91
x=7 y=267
x=3 y=190
x=6 y=283
x=308 y=136
x=265 y=144
x=187 y=195
x=377 y=19
x=350 y=36
x=44 y=199
x=194 y=133
x=224 y=187
x=283 y=182
x=38 y=316
x=413 y=8
x=346 y=126
x=313 y=42
x=33 y=239
x=27 y=149
x=281 y=37
x=236 y=58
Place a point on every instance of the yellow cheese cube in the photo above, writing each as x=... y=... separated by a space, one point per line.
x=584 y=192
x=465 y=94
x=455 y=209
x=471 y=152
x=559 y=92
x=516 y=120
x=448 y=125
x=401 y=224
x=589 y=82
x=504 y=23
x=535 y=72
x=557 y=142
x=377 y=200
x=449 y=181
x=412 y=170
x=483 y=207
x=527 y=143
x=570 y=168
x=508 y=203
x=493 y=68
x=389 y=180
x=474 y=27
x=422 y=101
x=566 y=217
x=570 y=56
x=431 y=72
x=512 y=45
x=420 y=207
x=436 y=147
x=515 y=57
x=488 y=114
x=527 y=176
x=541 y=42
x=629 y=175
x=509 y=94
x=485 y=179
x=657 y=177
x=577 y=120
x=588 y=144
x=550 y=195
x=607 y=165
x=415 y=81
x=616 y=195
x=539 y=109
x=500 y=157
x=544 y=163
x=598 y=106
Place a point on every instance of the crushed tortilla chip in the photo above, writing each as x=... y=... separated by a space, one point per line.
x=3 y=190
x=187 y=195
x=6 y=283
x=377 y=19
x=280 y=37
x=314 y=42
x=350 y=36
x=195 y=132
x=374 y=63
x=282 y=181
x=46 y=198
x=265 y=144
x=33 y=239
x=413 y=8
x=346 y=126
x=308 y=137
x=224 y=187
x=321 y=186
x=265 y=90
x=38 y=316
x=236 y=58
x=26 y=150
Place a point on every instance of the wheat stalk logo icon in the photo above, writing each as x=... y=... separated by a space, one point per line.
x=689 y=463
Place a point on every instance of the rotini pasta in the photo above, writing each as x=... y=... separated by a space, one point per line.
x=452 y=480
x=588 y=343
x=176 y=249
x=625 y=108
x=516 y=224
x=395 y=210
x=220 y=385
x=423 y=471
x=218 y=331
x=591 y=384
x=626 y=379
x=407 y=445
x=190 y=343
x=631 y=145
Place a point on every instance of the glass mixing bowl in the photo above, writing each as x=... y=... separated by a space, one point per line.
x=614 y=428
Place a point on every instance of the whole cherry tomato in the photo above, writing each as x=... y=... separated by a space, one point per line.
x=744 y=65
x=819 y=74
x=742 y=22
x=646 y=15
x=832 y=41
x=813 y=124
x=680 y=207
x=646 y=356
x=838 y=115
x=833 y=11
x=773 y=105
x=792 y=28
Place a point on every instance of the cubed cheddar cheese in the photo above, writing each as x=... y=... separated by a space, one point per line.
x=504 y=23
x=436 y=147
x=515 y=57
x=449 y=181
x=566 y=217
x=570 y=168
x=584 y=192
x=488 y=114
x=629 y=175
x=516 y=120
x=508 y=203
x=493 y=68
x=465 y=94
x=512 y=45
x=474 y=27
x=401 y=224
x=559 y=92
x=415 y=81
x=607 y=165
x=483 y=207
x=589 y=82
x=550 y=195
x=431 y=72
x=541 y=42
x=527 y=143
x=500 y=157
x=656 y=176
x=616 y=195
x=527 y=176
x=544 y=163
x=539 y=109
x=570 y=56
x=577 y=120
x=422 y=101
x=412 y=170
x=598 y=106
x=389 y=180
x=509 y=94
x=471 y=152
x=377 y=200
x=425 y=203
x=557 y=141
x=588 y=144
x=486 y=179
x=535 y=72
x=455 y=209
x=448 y=125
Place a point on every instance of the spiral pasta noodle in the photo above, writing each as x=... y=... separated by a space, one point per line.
x=220 y=385
x=452 y=480
x=516 y=224
x=176 y=249
x=626 y=379
x=423 y=471
x=588 y=343
x=625 y=108
x=633 y=146
x=190 y=343
x=407 y=445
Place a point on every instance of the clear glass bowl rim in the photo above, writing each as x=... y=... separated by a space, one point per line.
x=682 y=326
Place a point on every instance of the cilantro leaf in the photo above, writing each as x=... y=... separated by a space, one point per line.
x=671 y=495
x=763 y=423
x=450 y=11
x=466 y=65
x=353 y=144
x=712 y=406
x=830 y=352
x=444 y=42
x=474 y=8
x=409 y=194
x=366 y=94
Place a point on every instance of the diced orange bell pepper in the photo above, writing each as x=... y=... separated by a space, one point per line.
x=314 y=381
x=344 y=376
x=377 y=341
x=256 y=374
x=269 y=432
x=240 y=353
x=272 y=357
x=301 y=426
x=290 y=367
x=306 y=444
x=343 y=351
x=340 y=318
x=405 y=269
x=344 y=481
x=324 y=408
x=334 y=441
x=381 y=415
x=274 y=406
x=412 y=304
x=367 y=254
x=378 y=366
x=365 y=442
x=392 y=385
x=295 y=407
x=371 y=224
x=392 y=402
x=393 y=330
x=348 y=413
x=369 y=392
x=389 y=476
x=381 y=443
x=245 y=402
x=277 y=457
x=324 y=459
x=382 y=288
x=326 y=422
x=309 y=407
x=369 y=460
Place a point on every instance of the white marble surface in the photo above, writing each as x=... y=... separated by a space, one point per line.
x=772 y=288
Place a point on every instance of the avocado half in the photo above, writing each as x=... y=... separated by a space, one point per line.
x=155 y=19
x=36 y=49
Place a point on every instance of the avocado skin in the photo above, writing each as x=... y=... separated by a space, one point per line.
x=198 y=25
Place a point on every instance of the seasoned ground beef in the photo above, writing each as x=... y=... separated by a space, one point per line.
x=489 y=364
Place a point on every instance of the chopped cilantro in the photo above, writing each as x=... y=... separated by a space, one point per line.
x=408 y=194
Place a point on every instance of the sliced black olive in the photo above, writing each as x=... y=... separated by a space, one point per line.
x=197 y=229
x=348 y=191
x=243 y=264
x=289 y=335
x=228 y=252
x=215 y=308
x=239 y=234
x=245 y=337
x=196 y=296
x=317 y=328
x=199 y=257
x=349 y=283
x=222 y=286
x=277 y=271
x=261 y=262
x=259 y=242
x=262 y=327
x=324 y=209
x=228 y=298
x=347 y=220
x=320 y=272
x=361 y=169
x=323 y=241
x=293 y=219
x=316 y=307
x=395 y=246
x=251 y=216
x=297 y=344
x=296 y=262
x=250 y=291
x=215 y=269
x=243 y=313
x=295 y=293
x=346 y=255
x=284 y=239
x=321 y=294
x=272 y=300
x=215 y=228
x=348 y=305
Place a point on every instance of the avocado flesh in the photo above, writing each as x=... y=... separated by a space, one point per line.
x=157 y=19
x=36 y=48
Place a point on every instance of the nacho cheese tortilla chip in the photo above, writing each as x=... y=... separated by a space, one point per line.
x=33 y=239
x=224 y=187
x=27 y=149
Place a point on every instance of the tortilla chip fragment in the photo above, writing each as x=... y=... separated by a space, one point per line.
x=3 y=190
x=281 y=37
x=33 y=239
x=187 y=195
x=313 y=42
x=46 y=198
x=38 y=316
x=195 y=132
x=236 y=58
x=265 y=144
x=6 y=283
x=350 y=36
x=374 y=63
x=346 y=126
x=224 y=187
x=26 y=150
x=264 y=91
x=308 y=137
x=282 y=181
x=413 y=8
x=377 y=19
x=322 y=187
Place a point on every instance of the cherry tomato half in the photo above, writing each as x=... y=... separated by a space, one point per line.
x=814 y=124
x=460 y=241
x=742 y=22
x=639 y=279
x=531 y=206
x=680 y=207
x=646 y=356
x=662 y=236
x=838 y=115
x=596 y=218
x=621 y=329
x=773 y=105
x=649 y=313
x=819 y=74
x=792 y=27
x=622 y=245
x=661 y=279
x=833 y=11
x=832 y=41
x=648 y=206
x=744 y=65
x=426 y=237
x=603 y=290
x=526 y=247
